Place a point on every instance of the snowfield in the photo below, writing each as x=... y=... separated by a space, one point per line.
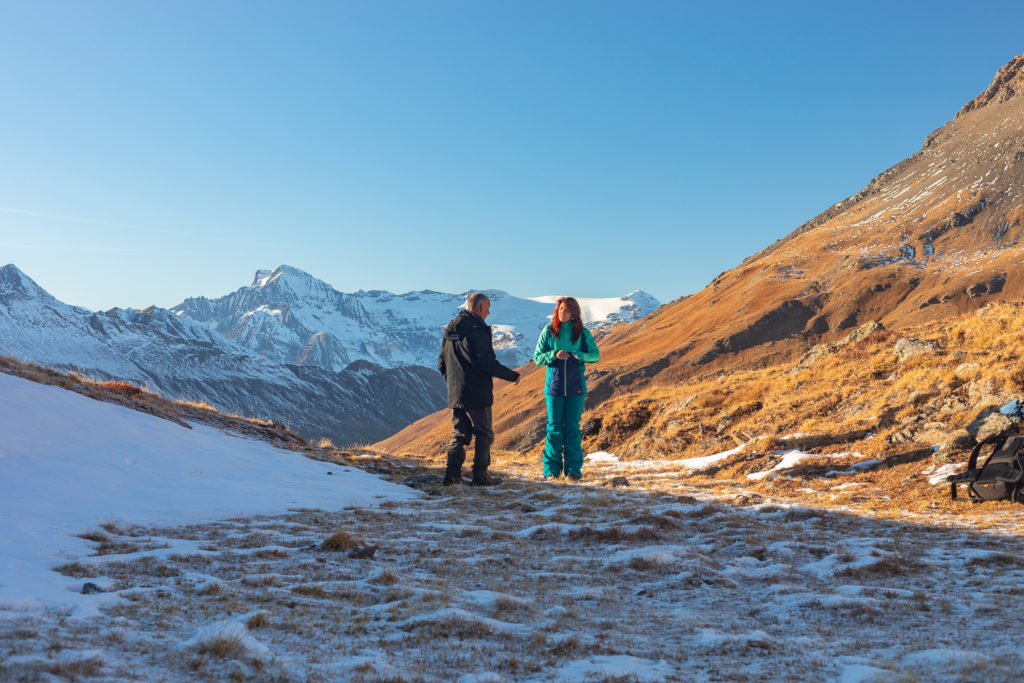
x=206 y=552
x=71 y=463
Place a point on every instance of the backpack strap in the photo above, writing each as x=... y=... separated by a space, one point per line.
x=1015 y=479
x=1000 y=440
x=970 y=475
x=972 y=462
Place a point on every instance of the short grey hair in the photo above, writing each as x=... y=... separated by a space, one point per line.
x=474 y=300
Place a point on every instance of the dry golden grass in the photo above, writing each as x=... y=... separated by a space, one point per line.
x=859 y=396
x=74 y=669
x=258 y=620
x=385 y=577
x=856 y=397
x=222 y=646
x=338 y=541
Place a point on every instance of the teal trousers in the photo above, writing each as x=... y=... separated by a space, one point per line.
x=563 y=449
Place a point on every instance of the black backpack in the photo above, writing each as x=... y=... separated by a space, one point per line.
x=1001 y=477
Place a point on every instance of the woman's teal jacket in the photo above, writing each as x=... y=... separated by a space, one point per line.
x=565 y=377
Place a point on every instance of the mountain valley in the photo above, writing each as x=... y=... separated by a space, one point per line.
x=933 y=238
x=351 y=368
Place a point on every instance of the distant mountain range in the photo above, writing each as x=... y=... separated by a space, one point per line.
x=349 y=367
x=289 y=316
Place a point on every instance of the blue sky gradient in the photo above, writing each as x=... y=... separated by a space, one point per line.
x=157 y=150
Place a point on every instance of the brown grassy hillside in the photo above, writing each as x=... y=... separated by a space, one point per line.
x=878 y=412
x=930 y=239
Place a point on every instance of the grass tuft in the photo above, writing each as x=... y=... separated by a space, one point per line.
x=258 y=620
x=338 y=541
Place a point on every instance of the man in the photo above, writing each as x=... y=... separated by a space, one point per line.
x=468 y=364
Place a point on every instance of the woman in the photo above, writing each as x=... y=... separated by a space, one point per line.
x=564 y=346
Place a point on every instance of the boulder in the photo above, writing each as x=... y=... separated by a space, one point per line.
x=988 y=423
x=816 y=352
x=863 y=332
x=935 y=434
x=965 y=369
x=829 y=348
x=907 y=348
x=986 y=394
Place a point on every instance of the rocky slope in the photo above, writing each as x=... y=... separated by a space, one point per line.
x=934 y=236
x=182 y=359
x=289 y=316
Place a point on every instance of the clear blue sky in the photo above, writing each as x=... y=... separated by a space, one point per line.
x=151 y=151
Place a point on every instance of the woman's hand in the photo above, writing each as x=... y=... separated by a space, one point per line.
x=562 y=355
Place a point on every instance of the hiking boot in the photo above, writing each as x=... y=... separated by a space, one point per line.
x=574 y=478
x=451 y=481
x=486 y=480
x=552 y=477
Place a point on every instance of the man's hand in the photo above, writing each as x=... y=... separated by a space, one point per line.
x=562 y=355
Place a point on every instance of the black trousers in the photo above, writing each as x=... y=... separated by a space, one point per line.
x=466 y=425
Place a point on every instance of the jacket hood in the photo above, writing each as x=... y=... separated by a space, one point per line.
x=461 y=325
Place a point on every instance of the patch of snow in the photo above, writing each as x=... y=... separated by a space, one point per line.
x=226 y=630
x=945 y=656
x=857 y=554
x=602 y=456
x=938 y=475
x=656 y=554
x=486 y=677
x=553 y=527
x=713 y=639
x=700 y=464
x=100 y=462
x=602 y=667
x=482 y=598
x=792 y=459
x=861 y=673
x=865 y=464
x=454 y=613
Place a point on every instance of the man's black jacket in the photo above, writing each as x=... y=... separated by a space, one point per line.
x=467 y=361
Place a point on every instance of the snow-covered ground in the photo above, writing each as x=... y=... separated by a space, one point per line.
x=531 y=580
x=70 y=464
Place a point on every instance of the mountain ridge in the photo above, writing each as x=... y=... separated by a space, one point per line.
x=182 y=359
x=290 y=316
x=319 y=386
x=1007 y=83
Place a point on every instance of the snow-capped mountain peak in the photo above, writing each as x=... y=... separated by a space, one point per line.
x=181 y=357
x=15 y=284
x=291 y=316
x=261 y=277
x=288 y=284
